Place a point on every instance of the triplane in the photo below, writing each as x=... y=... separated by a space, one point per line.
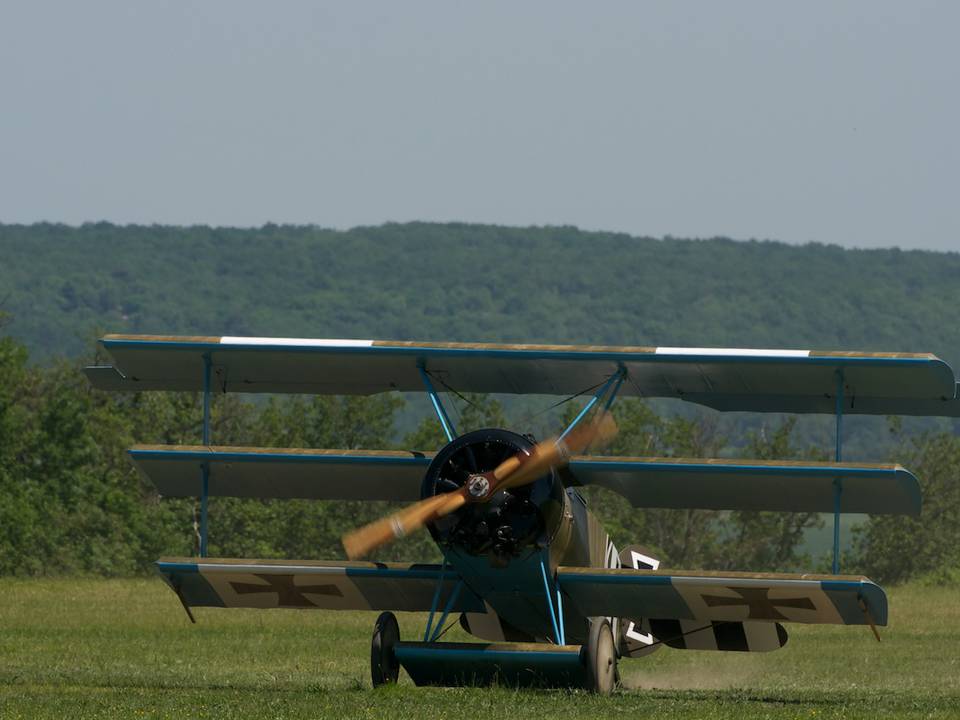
x=526 y=567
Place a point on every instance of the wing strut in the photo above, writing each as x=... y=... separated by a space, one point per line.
x=448 y=428
x=838 y=482
x=205 y=468
x=438 y=630
x=615 y=381
x=436 y=600
x=556 y=615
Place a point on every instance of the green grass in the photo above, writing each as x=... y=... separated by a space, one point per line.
x=124 y=648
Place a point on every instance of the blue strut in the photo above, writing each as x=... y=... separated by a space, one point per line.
x=448 y=428
x=446 y=611
x=838 y=482
x=556 y=616
x=436 y=600
x=205 y=468
x=615 y=380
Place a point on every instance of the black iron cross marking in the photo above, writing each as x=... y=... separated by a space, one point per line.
x=288 y=594
x=761 y=607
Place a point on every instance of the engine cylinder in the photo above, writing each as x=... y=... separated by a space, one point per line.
x=512 y=520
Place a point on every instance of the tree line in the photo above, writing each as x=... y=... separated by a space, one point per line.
x=72 y=503
x=472 y=283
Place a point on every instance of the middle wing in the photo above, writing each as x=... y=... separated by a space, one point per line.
x=283 y=472
x=779 y=485
x=725 y=596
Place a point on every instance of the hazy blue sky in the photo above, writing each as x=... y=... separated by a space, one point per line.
x=834 y=122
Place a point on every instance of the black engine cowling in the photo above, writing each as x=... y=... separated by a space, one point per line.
x=512 y=520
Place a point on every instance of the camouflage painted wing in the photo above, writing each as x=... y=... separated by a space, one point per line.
x=306 y=584
x=725 y=597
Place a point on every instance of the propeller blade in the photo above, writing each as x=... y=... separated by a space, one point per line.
x=519 y=470
x=380 y=532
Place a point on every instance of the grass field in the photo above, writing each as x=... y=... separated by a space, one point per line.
x=124 y=648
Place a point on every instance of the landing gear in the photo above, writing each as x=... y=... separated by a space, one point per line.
x=600 y=654
x=384 y=666
x=592 y=665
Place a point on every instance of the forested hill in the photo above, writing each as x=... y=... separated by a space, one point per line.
x=59 y=284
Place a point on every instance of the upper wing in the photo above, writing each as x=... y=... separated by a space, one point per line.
x=780 y=485
x=309 y=584
x=719 y=596
x=729 y=379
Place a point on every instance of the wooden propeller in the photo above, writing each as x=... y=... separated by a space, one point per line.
x=515 y=471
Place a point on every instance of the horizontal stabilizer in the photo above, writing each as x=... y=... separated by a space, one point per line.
x=800 y=381
x=724 y=596
x=305 y=584
x=175 y=470
x=779 y=485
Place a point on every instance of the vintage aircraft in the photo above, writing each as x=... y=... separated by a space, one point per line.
x=526 y=567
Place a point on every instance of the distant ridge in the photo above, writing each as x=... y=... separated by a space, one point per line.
x=468 y=282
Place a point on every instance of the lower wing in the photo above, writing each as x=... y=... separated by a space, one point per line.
x=307 y=584
x=724 y=597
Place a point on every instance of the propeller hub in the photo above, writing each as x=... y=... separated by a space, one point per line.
x=478 y=486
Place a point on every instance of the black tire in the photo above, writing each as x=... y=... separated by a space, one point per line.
x=384 y=667
x=601 y=658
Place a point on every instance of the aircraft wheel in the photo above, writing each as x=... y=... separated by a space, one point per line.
x=601 y=658
x=384 y=667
